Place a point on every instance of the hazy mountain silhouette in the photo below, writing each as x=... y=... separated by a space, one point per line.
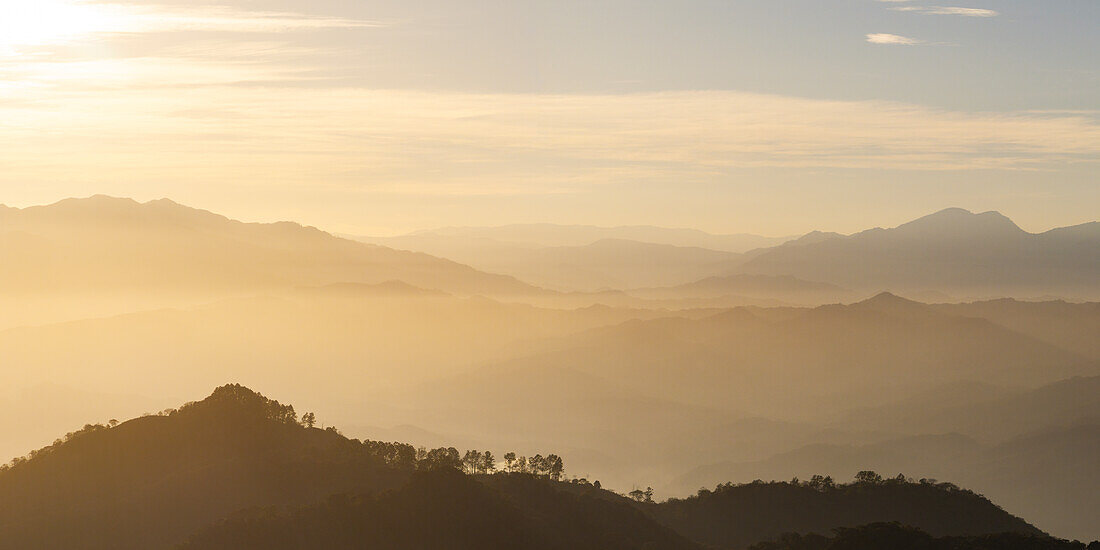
x=1019 y=474
x=952 y=251
x=997 y=417
x=353 y=338
x=88 y=249
x=576 y=235
x=604 y=263
x=1070 y=326
x=781 y=287
x=238 y=470
x=795 y=360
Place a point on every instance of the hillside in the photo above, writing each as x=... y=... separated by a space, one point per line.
x=877 y=536
x=1048 y=476
x=445 y=509
x=103 y=249
x=150 y=482
x=353 y=339
x=787 y=362
x=737 y=516
x=952 y=251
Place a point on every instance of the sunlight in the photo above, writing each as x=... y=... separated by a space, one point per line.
x=44 y=22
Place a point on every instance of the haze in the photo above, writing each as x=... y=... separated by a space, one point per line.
x=544 y=273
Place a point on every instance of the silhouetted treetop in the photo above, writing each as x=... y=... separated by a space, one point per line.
x=235 y=400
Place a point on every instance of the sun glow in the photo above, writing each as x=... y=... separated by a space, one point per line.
x=39 y=23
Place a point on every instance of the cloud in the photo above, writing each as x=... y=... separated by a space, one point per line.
x=226 y=19
x=947 y=10
x=884 y=38
x=444 y=143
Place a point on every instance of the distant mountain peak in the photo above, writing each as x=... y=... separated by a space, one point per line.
x=888 y=302
x=958 y=220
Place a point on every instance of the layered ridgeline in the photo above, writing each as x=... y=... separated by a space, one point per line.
x=238 y=470
x=85 y=257
x=952 y=251
x=949 y=253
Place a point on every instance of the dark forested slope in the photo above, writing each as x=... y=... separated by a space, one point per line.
x=736 y=516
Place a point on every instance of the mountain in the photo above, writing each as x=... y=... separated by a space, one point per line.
x=445 y=509
x=604 y=263
x=150 y=482
x=116 y=250
x=1068 y=325
x=238 y=470
x=329 y=345
x=736 y=516
x=1048 y=476
x=952 y=251
x=544 y=235
x=789 y=362
x=777 y=287
x=994 y=417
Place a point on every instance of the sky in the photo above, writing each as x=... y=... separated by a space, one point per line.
x=774 y=117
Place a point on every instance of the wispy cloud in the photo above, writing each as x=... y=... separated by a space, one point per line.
x=51 y=23
x=948 y=10
x=892 y=39
x=407 y=142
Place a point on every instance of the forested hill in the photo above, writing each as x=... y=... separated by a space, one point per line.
x=238 y=470
x=894 y=536
x=737 y=516
x=150 y=482
x=446 y=509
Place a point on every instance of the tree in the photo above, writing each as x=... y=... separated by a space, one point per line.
x=471 y=462
x=555 y=467
x=488 y=463
x=509 y=461
x=649 y=494
x=868 y=476
x=441 y=459
x=536 y=464
x=638 y=495
x=309 y=419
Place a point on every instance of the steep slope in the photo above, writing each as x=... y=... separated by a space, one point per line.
x=445 y=509
x=737 y=516
x=952 y=251
x=150 y=482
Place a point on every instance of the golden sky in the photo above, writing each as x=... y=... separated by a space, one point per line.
x=334 y=115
